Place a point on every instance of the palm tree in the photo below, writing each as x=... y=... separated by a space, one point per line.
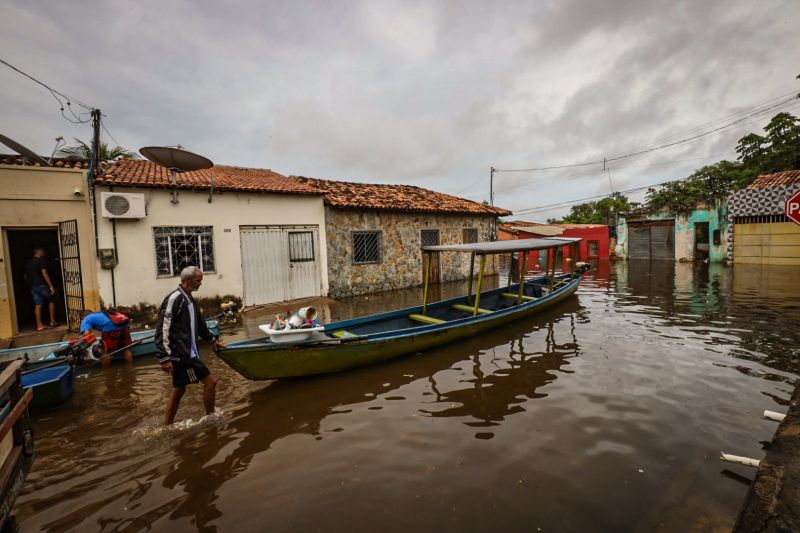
x=81 y=150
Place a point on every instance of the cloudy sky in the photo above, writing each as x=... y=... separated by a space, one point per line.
x=424 y=93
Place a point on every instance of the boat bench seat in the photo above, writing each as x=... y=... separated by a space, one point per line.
x=514 y=296
x=426 y=319
x=470 y=309
x=342 y=334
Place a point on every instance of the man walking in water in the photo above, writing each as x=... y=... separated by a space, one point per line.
x=178 y=327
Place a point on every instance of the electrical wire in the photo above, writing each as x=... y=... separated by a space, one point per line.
x=64 y=101
x=655 y=148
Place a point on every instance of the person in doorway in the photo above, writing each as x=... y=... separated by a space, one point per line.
x=178 y=328
x=115 y=330
x=41 y=286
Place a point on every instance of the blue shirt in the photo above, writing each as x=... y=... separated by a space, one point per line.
x=99 y=322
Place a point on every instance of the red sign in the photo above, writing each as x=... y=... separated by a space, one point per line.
x=793 y=208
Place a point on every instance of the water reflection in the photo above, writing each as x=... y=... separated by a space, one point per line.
x=501 y=386
x=605 y=412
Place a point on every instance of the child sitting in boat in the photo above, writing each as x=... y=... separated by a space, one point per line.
x=306 y=317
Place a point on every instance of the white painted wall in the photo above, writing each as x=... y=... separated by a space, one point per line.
x=135 y=276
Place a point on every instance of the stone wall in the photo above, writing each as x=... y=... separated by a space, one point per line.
x=401 y=256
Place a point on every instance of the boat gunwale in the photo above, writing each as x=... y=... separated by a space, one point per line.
x=57 y=379
x=249 y=344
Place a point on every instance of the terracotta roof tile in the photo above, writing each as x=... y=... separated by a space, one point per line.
x=768 y=181
x=143 y=173
x=387 y=197
x=59 y=162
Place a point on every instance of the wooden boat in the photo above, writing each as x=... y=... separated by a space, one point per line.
x=381 y=337
x=52 y=385
x=43 y=351
x=16 y=440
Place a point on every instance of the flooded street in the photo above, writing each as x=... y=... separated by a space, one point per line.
x=606 y=412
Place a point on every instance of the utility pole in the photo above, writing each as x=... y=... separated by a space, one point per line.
x=95 y=163
x=493 y=235
x=94 y=171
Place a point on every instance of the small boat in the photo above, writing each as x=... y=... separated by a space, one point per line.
x=143 y=345
x=376 y=338
x=52 y=384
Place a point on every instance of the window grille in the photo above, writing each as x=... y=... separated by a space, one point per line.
x=470 y=235
x=430 y=237
x=366 y=247
x=301 y=246
x=180 y=246
x=594 y=248
x=761 y=219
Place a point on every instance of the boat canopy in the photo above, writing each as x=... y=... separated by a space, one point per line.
x=502 y=247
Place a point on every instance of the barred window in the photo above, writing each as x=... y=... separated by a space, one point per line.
x=366 y=247
x=180 y=246
x=301 y=246
x=469 y=235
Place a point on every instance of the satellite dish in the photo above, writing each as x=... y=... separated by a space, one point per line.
x=26 y=153
x=176 y=160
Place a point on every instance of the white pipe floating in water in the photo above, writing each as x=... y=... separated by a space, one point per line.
x=739 y=460
x=772 y=415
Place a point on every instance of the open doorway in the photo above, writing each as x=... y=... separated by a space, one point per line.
x=700 y=241
x=21 y=243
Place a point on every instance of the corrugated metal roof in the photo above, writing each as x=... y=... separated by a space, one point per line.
x=500 y=247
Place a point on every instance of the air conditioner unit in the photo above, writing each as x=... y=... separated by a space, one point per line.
x=122 y=205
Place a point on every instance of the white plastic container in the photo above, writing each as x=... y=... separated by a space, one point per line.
x=293 y=335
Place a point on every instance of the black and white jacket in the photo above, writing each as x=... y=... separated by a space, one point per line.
x=174 y=328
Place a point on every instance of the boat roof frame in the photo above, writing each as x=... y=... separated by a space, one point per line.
x=503 y=247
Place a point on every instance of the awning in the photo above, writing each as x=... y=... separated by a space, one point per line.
x=501 y=247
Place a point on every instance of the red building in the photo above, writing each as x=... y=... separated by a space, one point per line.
x=595 y=243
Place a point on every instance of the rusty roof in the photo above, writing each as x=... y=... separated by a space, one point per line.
x=776 y=179
x=142 y=173
x=57 y=162
x=389 y=197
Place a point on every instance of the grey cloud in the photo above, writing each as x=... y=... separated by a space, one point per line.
x=430 y=93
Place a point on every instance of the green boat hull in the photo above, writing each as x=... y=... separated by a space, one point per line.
x=271 y=362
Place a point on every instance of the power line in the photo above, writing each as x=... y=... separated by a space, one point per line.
x=64 y=101
x=588 y=198
x=654 y=148
x=109 y=133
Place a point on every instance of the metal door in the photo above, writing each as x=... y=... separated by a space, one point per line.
x=265 y=270
x=662 y=241
x=430 y=237
x=71 y=272
x=303 y=263
x=638 y=242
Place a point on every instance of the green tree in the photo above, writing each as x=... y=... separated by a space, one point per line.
x=81 y=150
x=600 y=212
x=776 y=151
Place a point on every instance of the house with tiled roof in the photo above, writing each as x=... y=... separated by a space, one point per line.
x=254 y=232
x=376 y=231
x=762 y=233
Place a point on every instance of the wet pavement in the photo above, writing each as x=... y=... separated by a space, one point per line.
x=605 y=413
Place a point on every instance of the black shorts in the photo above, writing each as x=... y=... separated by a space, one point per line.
x=188 y=372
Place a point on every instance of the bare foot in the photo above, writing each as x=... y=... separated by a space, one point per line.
x=41 y=328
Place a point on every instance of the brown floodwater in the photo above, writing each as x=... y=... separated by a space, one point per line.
x=606 y=412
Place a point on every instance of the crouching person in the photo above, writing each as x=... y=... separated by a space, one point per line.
x=115 y=331
x=178 y=329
